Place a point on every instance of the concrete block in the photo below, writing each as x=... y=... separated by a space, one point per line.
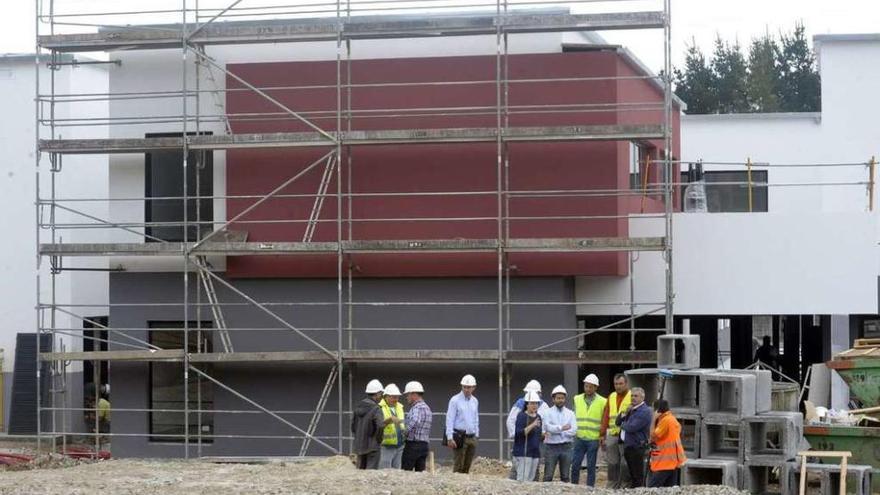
x=682 y=389
x=710 y=472
x=727 y=394
x=772 y=436
x=858 y=478
x=677 y=351
x=763 y=478
x=763 y=388
x=691 y=425
x=646 y=378
x=720 y=438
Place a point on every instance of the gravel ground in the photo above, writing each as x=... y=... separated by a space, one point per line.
x=335 y=475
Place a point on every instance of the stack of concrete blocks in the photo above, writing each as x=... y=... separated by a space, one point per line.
x=858 y=478
x=725 y=399
x=770 y=439
x=736 y=439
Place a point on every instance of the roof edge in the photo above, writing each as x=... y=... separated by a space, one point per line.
x=814 y=116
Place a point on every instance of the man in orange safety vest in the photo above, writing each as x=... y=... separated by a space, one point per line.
x=667 y=453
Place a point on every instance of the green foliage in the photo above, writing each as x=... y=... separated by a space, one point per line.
x=779 y=75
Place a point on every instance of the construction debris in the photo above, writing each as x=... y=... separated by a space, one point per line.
x=333 y=475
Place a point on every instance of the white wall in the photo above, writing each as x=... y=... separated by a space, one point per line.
x=81 y=177
x=731 y=263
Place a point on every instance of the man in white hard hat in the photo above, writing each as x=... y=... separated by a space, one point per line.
x=367 y=426
x=418 y=428
x=393 y=433
x=588 y=409
x=560 y=428
x=518 y=407
x=463 y=425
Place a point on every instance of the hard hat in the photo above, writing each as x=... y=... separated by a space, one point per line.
x=413 y=387
x=391 y=389
x=592 y=379
x=374 y=387
x=468 y=381
x=532 y=397
x=559 y=389
x=532 y=386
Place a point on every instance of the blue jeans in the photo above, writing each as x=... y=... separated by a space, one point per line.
x=590 y=449
x=557 y=454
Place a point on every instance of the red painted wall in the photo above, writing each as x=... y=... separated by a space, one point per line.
x=464 y=168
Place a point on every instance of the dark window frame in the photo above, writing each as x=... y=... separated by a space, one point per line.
x=195 y=379
x=760 y=190
x=199 y=227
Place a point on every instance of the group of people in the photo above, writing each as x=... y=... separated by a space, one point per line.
x=386 y=436
x=630 y=432
x=634 y=436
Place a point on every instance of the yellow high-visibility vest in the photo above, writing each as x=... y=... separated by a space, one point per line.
x=389 y=435
x=613 y=411
x=589 y=418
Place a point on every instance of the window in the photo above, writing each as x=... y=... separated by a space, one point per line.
x=727 y=191
x=166 y=386
x=637 y=155
x=164 y=179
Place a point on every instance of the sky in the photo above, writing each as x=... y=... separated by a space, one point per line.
x=697 y=20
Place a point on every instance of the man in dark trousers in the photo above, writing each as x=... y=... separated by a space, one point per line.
x=367 y=425
x=635 y=432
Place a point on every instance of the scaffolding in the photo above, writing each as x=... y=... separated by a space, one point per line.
x=193 y=29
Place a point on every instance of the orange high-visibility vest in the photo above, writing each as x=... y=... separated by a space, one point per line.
x=669 y=453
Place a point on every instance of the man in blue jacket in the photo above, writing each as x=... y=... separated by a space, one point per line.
x=635 y=432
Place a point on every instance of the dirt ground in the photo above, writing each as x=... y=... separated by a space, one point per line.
x=333 y=475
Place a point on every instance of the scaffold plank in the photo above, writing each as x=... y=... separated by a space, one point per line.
x=114 y=355
x=360 y=27
x=600 y=244
x=639 y=132
x=592 y=357
x=367 y=356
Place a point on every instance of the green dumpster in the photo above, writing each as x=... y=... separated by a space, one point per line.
x=862 y=441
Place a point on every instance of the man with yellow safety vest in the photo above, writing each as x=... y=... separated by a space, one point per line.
x=667 y=453
x=588 y=410
x=394 y=434
x=609 y=433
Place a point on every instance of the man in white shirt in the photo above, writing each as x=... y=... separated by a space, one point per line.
x=519 y=406
x=560 y=427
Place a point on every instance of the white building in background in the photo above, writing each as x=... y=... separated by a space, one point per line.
x=90 y=178
x=805 y=250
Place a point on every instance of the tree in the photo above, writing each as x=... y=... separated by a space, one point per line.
x=799 y=81
x=777 y=76
x=731 y=74
x=696 y=83
x=764 y=76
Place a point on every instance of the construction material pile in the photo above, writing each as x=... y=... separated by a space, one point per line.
x=730 y=433
x=335 y=475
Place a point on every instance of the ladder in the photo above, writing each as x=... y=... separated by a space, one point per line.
x=319 y=198
x=319 y=410
x=216 y=310
x=214 y=88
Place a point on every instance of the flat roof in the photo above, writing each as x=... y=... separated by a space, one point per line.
x=831 y=38
x=815 y=116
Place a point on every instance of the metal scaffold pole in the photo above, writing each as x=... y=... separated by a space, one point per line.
x=670 y=163
x=184 y=112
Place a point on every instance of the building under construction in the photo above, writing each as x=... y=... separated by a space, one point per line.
x=320 y=195
x=248 y=211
